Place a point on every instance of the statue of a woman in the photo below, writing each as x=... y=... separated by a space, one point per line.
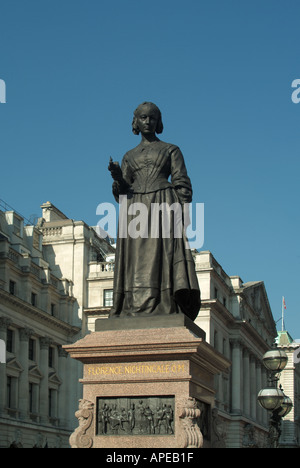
x=155 y=270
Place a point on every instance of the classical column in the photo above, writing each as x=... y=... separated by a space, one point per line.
x=236 y=377
x=4 y=324
x=258 y=388
x=253 y=387
x=24 y=334
x=264 y=384
x=246 y=383
x=63 y=389
x=44 y=387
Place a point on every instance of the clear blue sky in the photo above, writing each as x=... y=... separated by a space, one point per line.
x=221 y=72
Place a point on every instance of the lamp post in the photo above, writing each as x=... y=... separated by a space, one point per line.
x=272 y=398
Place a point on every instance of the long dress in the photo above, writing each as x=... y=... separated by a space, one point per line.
x=154 y=274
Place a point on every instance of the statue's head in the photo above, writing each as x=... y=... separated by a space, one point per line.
x=139 y=110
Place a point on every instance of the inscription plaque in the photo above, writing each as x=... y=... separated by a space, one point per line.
x=102 y=371
x=135 y=416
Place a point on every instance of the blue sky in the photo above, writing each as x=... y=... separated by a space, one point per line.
x=221 y=72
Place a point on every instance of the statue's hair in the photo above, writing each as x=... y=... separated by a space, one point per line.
x=135 y=128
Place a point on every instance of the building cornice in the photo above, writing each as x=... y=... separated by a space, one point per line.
x=246 y=330
x=223 y=313
x=37 y=314
x=242 y=292
x=97 y=311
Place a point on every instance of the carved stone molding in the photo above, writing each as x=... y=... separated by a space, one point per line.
x=249 y=439
x=62 y=352
x=82 y=437
x=236 y=343
x=189 y=413
x=17 y=442
x=45 y=342
x=5 y=322
x=218 y=435
x=25 y=334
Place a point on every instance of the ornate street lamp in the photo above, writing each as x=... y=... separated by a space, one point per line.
x=286 y=406
x=272 y=398
x=275 y=360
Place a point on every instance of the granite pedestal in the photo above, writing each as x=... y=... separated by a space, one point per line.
x=148 y=382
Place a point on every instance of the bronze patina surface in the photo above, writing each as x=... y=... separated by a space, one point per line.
x=154 y=273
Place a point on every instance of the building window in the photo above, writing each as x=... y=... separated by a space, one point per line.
x=216 y=340
x=9 y=340
x=11 y=392
x=8 y=391
x=52 y=398
x=12 y=287
x=216 y=293
x=108 y=298
x=31 y=349
x=51 y=357
x=31 y=397
x=50 y=402
x=53 y=310
x=18 y=226
x=33 y=299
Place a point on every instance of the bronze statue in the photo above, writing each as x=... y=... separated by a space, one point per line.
x=154 y=269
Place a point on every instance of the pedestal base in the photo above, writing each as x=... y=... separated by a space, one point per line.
x=147 y=383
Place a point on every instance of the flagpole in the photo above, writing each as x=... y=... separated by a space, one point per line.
x=282 y=314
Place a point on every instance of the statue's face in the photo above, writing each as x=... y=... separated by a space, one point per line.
x=147 y=119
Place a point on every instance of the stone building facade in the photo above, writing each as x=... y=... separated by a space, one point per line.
x=42 y=294
x=72 y=248
x=36 y=319
x=238 y=322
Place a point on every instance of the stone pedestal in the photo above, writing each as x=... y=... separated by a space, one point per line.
x=147 y=383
